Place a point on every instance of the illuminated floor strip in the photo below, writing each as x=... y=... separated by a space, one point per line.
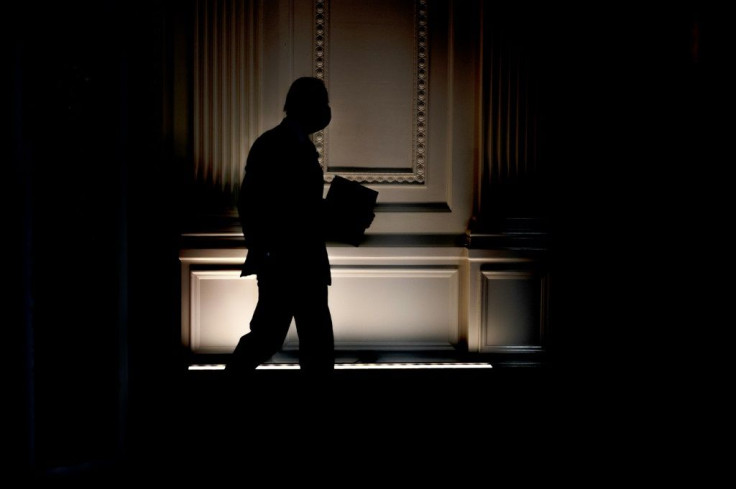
x=362 y=366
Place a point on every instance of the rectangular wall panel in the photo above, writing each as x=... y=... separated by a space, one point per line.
x=370 y=68
x=222 y=304
x=388 y=308
x=372 y=308
x=512 y=310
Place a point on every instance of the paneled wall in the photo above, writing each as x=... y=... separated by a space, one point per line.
x=429 y=108
x=385 y=298
x=381 y=298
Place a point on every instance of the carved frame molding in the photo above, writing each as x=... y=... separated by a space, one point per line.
x=420 y=102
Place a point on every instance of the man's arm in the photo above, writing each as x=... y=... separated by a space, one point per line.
x=250 y=199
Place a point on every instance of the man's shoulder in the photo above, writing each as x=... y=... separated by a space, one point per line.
x=276 y=135
x=268 y=145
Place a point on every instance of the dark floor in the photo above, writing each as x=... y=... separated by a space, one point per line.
x=371 y=423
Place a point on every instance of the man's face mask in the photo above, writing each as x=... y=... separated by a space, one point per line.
x=322 y=118
x=316 y=118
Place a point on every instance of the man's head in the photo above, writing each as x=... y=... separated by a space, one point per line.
x=307 y=102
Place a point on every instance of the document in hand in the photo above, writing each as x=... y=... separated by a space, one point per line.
x=350 y=210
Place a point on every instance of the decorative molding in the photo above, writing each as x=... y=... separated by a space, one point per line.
x=321 y=12
x=417 y=173
x=320 y=38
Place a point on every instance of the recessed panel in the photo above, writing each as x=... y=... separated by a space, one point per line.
x=511 y=309
x=393 y=308
x=374 y=57
x=222 y=304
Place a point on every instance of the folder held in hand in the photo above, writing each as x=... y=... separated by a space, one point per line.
x=350 y=210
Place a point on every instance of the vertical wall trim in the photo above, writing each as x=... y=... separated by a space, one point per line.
x=450 y=95
x=320 y=53
x=480 y=139
x=226 y=90
x=511 y=176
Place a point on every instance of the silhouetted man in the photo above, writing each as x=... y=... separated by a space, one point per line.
x=281 y=210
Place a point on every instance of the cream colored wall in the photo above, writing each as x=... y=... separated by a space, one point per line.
x=383 y=297
x=400 y=99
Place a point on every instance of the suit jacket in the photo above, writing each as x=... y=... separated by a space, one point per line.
x=281 y=206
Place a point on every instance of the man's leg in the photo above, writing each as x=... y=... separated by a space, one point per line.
x=314 y=327
x=268 y=327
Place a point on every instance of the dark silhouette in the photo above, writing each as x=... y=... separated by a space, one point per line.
x=349 y=208
x=282 y=212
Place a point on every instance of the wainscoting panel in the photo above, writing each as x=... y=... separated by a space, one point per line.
x=385 y=298
x=387 y=308
x=381 y=298
x=508 y=301
x=222 y=303
x=512 y=314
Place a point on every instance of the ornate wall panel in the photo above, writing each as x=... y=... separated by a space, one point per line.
x=374 y=58
x=402 y=81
